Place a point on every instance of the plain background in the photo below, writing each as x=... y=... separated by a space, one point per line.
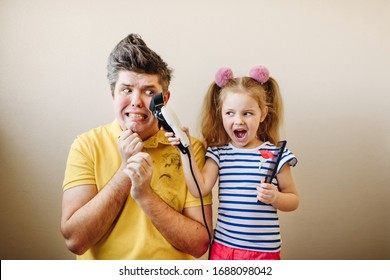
x=331 y=59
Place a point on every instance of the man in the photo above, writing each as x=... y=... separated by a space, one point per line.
x=125 y=195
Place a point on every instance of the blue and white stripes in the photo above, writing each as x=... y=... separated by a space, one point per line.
x=243 y=222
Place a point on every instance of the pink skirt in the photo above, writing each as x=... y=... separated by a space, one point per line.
x=222 y=252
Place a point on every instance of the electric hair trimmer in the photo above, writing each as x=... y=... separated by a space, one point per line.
x=169 y=121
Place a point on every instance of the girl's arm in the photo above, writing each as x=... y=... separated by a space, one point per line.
x=284 y=199
x=205 y=179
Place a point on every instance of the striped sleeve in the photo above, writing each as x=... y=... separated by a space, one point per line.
x=212 y=152
x=287 y=157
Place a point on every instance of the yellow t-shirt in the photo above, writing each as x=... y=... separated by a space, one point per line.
x=94 y=159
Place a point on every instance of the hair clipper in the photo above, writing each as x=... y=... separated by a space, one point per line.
x=169 y=121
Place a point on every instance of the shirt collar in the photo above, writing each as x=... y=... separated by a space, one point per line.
x=116 y=129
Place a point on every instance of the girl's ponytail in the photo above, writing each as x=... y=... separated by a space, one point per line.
x=211 y=122
x=269 y=128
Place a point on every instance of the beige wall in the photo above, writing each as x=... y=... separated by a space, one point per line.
x=331 y=58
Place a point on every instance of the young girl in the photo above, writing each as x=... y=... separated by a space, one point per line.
x=240 y=125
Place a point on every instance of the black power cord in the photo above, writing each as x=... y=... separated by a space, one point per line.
x=201 y=202
x=155 y=106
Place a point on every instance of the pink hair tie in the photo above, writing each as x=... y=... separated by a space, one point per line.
x=259 y=73
x=223 y=75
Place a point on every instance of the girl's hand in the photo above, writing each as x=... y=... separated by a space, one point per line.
x=175 y=141
x=267 y=193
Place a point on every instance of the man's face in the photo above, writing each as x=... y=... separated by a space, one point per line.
x=132 y=95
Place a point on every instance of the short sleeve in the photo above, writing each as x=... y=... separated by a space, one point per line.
x=287 y=157
x=79 y=167
x=212 y=152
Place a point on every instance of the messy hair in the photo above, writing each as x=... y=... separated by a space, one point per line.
x=132 y=54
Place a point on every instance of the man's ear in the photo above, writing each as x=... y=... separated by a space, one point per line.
x=166 y=97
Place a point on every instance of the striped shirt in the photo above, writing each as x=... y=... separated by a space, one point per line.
x=243 y=222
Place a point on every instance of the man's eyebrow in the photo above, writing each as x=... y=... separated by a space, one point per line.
x=151 y=86
x=154 y=87
x=126 y=85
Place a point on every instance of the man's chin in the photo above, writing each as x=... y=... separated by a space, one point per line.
x=139 y=128
x=129 y=126
x=134 y=127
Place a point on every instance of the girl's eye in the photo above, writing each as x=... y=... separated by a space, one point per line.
x=149 y=92
x=229 y=113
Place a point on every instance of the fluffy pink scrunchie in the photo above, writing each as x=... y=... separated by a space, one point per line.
x=223 y=75
x=259 y=73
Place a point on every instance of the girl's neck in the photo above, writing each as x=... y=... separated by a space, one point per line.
x=251 y=145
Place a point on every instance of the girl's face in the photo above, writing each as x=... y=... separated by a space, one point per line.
x=241 y=117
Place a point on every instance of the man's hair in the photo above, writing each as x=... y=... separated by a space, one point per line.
x=132 y=54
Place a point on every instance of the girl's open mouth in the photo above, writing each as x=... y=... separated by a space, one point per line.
x=240 y=134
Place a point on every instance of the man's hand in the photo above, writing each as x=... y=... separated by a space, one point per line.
x=129 y=144
x=139 y=168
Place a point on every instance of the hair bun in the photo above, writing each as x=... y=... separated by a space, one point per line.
x=259 y=73
x=223 y=75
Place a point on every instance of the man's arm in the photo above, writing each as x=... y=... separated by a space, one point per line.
x=185 y=231
x=87 y=215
